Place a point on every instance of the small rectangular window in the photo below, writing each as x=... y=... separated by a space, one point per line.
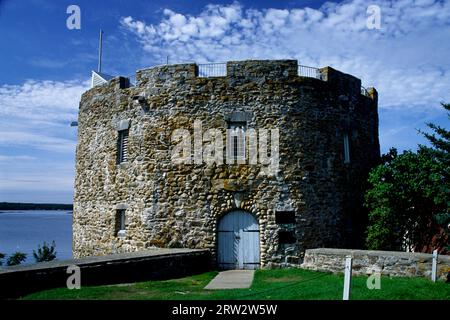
x=285 y=237
x=284 y=217
x=346 y=148
x=236 y=140
x=122 y=146
x=120 y=221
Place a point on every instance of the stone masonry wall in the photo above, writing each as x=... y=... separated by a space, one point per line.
x=178 y=205
x=367 y=262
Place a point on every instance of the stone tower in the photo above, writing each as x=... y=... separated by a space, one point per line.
x=132 y=191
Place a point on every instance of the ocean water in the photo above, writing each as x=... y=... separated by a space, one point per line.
x=24 y=230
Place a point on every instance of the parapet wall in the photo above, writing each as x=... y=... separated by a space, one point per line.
x=254 y=69
x=19 y=281
x=257 y=71
x=389 y=263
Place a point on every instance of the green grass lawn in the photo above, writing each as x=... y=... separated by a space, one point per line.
x=268 y=284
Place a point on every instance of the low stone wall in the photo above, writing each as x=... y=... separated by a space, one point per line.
x=390 y=263
x=152 y=264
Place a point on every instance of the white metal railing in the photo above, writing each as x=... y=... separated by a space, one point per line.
x=219 y=69
x=212 y=70
x=364 y=92
x=310 y=72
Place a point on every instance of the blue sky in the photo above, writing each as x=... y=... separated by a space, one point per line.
x=45 y=67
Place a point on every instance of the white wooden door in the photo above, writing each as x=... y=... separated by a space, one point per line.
x=238 y=237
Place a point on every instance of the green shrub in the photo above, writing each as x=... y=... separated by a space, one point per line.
x=16 y=258
x=45 y=253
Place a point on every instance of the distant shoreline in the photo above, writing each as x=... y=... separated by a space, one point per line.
x=35 y=206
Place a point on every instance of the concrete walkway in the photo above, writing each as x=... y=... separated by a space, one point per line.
x=232 y=279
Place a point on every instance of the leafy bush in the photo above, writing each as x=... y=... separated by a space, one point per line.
x=45 y=253
x=16 y=258
x=2 y=256
x=409 y=197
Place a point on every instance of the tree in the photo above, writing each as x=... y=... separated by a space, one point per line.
x=46 y=253
x=439 y=139
x=16 y=258
x=2 y=256
x=409 y=197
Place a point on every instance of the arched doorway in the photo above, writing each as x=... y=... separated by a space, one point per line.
x=238 y=241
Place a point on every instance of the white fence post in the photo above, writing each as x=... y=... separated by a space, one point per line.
x=434 y=266
x=347 y=278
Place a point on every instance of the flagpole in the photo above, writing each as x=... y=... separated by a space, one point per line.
x=100 y=52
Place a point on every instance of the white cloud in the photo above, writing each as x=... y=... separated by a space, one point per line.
x=37 y=140
x=407 y=60
x=45 y=175
x=15 y=158
x=47 y=63
x=37 y=114
x=42 y=100
x=37 y=145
